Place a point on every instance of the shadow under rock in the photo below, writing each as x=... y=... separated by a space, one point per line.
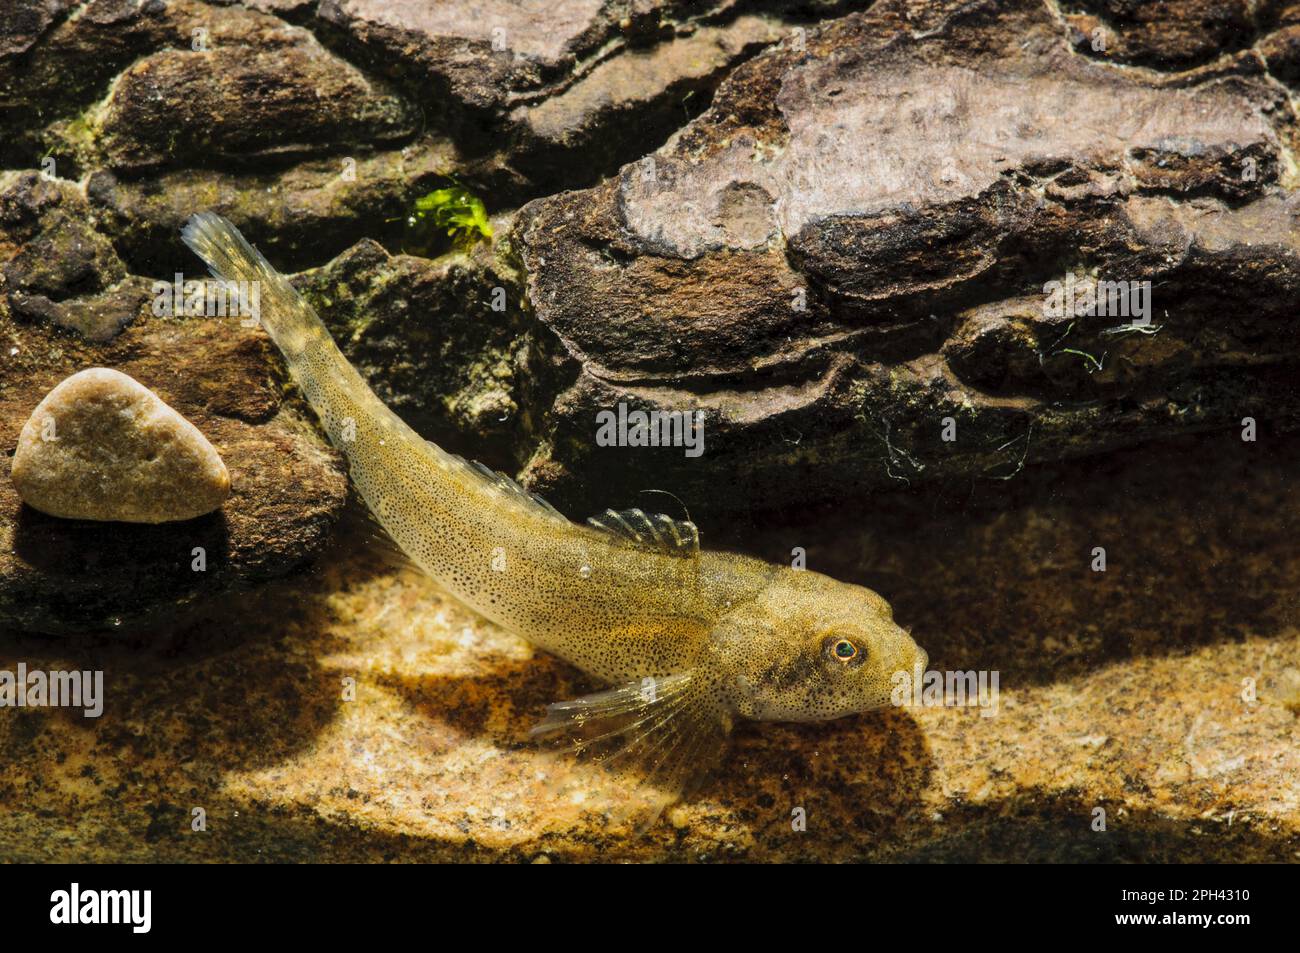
x=148 y=564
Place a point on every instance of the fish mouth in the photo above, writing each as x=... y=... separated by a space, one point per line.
x=922 y=659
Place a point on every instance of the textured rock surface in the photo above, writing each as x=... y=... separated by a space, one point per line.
x=291 y=141
x=1121 y=690
x=851 y=246
x=344 y=116
x=72 y=64
x=318 y=104
x=583 y=80
x=443 y=342
x=300 y=215
x=288 y=490
x=102 y=446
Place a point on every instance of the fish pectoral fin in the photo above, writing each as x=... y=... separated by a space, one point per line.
x=358 y=523
x=663 y=733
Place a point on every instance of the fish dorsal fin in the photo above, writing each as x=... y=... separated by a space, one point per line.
x=658 y=532
x=507 y=486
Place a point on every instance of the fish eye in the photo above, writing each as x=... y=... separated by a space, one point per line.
x=842 y=649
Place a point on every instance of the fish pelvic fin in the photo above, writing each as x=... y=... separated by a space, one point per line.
x=660 y=737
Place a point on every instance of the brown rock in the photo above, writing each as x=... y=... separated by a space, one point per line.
x=630 y=102
x=194 y=106
x=299 y=216
x=564 y=92
x=855 y=243
x=68 y=576
x=75 y=61
x=48 y=246
x=427 y=336
x=21 y=24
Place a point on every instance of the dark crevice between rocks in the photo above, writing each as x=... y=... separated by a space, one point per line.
x=473 y=129
x=620 y=141
x=1180 y=36
x=297 y=13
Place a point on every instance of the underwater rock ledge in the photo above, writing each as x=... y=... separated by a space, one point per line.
x=848 y=257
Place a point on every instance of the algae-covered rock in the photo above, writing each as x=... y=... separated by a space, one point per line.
x=301 y=215
x=191 y=107
x=443 y=342
x=52 y=77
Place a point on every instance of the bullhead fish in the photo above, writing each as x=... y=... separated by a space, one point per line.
x=691 y=640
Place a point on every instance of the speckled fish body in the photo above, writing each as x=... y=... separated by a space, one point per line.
x=691 y=639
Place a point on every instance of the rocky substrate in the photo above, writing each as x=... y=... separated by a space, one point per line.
x=70 y=305
x=358 y=715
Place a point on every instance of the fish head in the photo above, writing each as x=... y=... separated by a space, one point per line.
x=811 y=648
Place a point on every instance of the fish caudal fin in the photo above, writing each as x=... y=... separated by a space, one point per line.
x=287 y=317
x=342 y=399
x=663 y=735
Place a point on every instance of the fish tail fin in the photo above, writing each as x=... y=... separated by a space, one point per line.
x=290 y=320
x=339 y=395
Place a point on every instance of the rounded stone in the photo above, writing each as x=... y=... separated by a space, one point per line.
x=102 y=446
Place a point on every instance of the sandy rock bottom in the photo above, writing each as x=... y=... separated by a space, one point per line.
x=1127 y=691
